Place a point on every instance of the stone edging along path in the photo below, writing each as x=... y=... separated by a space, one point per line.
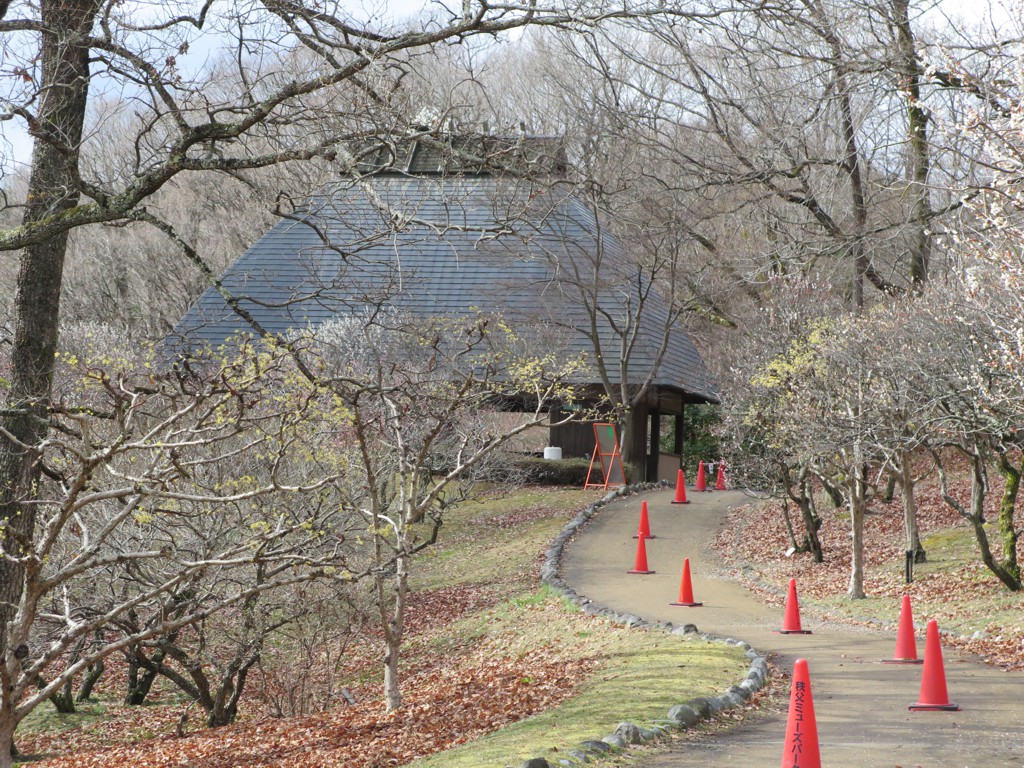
x=682 y=715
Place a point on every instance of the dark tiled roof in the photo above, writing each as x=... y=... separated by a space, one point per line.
x=445 y=246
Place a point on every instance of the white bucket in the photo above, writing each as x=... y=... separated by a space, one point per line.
x=553 y=452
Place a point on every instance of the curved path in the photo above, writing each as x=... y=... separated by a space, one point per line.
x=860 y=703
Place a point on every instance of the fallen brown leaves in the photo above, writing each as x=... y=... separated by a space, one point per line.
x=445 y=706
x=965 y=594
x=455 y=689
x=435 y=608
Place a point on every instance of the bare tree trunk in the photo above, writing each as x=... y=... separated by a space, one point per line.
x=229 y=692
x=805 y=503
x=141 y=677
x=812 y=522
x=7 y=726
x=890 y=488
x=910 y=74
x=626 y=450
x=834 y=492
x=63 y=699
x=392 y=690
x=977 y=520
x=857 y=488
x=92 y=677
x=394 y=634
x=789 y=526
x=851 y=164
x=1007 y=530
x=913 y=537
x=53 y=190
x=975 y=515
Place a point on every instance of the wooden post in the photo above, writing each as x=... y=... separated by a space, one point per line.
x=654 y=450
x=677 y=447
x=634 y=452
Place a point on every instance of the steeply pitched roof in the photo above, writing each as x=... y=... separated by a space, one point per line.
x=448 y=246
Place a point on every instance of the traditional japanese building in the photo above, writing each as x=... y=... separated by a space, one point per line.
x=455 y=227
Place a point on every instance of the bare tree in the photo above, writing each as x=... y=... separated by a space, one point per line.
x=416 y=396
x=163 y=500
x=773 y=445
x=303 y=80
x=802 y=137
x=973 y=401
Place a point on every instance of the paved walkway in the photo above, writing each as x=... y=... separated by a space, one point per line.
x=860 y=704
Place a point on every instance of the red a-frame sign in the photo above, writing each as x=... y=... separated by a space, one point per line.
x=606 y=450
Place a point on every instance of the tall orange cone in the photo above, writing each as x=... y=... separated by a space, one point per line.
x=686 y=588
x=702 y=484
x=906 y=645
x=644 y=529
x=800 y=749
x=720 y=479
x=791 y=621
x=933 y=676
x=680 y=490
x=640 y=565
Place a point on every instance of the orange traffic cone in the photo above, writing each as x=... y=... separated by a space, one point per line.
x=933 y=676
x=640 y=565
x=686 y=588
x=701 y=482
x=906 y=645
x=800 y=749
x=791 y=621
x=644 y=528
x=680 y=490
x=720 y=479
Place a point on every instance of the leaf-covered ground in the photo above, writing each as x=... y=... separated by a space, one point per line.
x=973 y=609
x=454 y=687
x=486 y=647
x=445 y=706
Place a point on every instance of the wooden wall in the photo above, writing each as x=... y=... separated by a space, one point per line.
x=576 y=439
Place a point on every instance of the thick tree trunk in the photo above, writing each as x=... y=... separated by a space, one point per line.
x=63 y=700
x=52 y=191
x=834 y=492
x=392 y=690
x=225 y=704
x=7 y=726
x=812 y=522
x=89 y=681
x=633 y=442
x=804 y=500
x=141 y=678
x=890 y=488
x=911 y=73
x=1008 y=532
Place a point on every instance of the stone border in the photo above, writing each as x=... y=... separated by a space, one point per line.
x=683 y=715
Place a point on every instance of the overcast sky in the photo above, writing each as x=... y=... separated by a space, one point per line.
x=16 y=146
